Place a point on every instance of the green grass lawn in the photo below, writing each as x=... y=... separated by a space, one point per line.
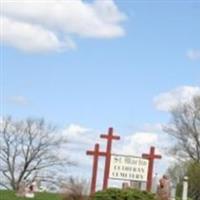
x=10 y=195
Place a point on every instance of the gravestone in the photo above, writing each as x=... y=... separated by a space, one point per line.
x=22 y=189
x=125 y=185
x=185 y=188
x=30 y=191
x=155 y=183
x=163 y=191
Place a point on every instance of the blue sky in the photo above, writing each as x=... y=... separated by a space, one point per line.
x=108 y=81
x=105 y=82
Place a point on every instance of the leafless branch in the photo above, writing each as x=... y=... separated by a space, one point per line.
x=28 y=147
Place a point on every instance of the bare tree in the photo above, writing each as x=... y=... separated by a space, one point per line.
x=177 y=171
x=28 y=148
x=185 y=127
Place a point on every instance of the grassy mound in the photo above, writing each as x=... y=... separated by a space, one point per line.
x=10 y=195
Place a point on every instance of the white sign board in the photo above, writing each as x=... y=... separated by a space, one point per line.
x=128 y=168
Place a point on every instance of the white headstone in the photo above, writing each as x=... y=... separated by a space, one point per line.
x=185 y=188
x=155 y=183
x=29 y=195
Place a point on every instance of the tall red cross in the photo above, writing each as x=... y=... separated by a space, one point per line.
x=109 y=138
x=96 y=153
x=151 y=157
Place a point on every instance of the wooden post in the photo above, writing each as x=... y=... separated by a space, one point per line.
x=96 y=153
x=151 y=157
x=109 y=138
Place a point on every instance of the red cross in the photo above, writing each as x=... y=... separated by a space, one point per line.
x=151 y=157
x=109 y=138
x=96 y=153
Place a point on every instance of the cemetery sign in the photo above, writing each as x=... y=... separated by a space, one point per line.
x=128 y=168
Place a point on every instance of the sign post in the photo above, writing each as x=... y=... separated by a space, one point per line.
x=151 y=157
x=96 y=153
x=109 y=138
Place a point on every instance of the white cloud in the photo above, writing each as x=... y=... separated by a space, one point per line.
x=18 y=100
x=143 y=138
x=193 y=54
x=168 y=100
x=157 y=127
x=136 y=143
x=51 y=25
x=80 y=140
x=77 y=134
x=76 y=130
x=30 y=37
